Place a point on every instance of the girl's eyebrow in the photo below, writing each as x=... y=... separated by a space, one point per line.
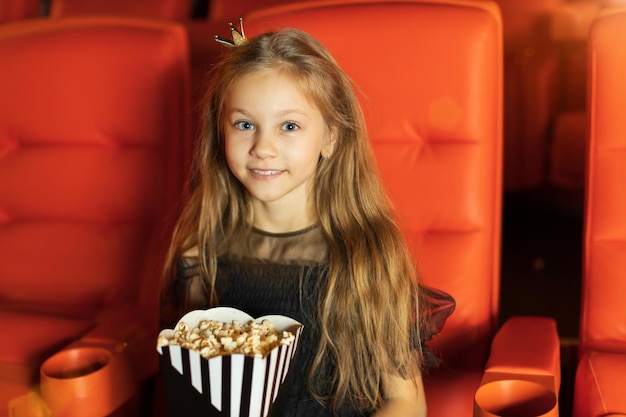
x=282 y=113
x=294 y=111
x=236 y=110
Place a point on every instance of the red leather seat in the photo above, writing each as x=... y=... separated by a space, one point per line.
x=161 y=9
x=94 y=134
x=599 y=384
x=11 y=10
x=432 y=96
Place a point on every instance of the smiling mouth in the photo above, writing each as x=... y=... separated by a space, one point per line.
x=266 y=172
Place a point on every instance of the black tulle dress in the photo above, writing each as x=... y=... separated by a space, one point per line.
x=276 y=274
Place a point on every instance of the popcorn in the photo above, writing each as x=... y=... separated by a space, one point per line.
x=213 y=338
x=222 y=362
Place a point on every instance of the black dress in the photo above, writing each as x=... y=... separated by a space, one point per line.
x=274 y=274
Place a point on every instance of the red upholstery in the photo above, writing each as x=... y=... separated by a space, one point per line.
x=11 y=10
x=433 y=103
x=93 y=147
x=163 y=9
x=599 y=386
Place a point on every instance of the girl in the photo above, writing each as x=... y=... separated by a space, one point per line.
x=286 y=215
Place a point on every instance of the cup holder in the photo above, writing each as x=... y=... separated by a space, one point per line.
x=515 y=398
x=76 y=363
x=85 y=380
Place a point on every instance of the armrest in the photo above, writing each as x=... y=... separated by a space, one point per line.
x=523 y=373
x=526 y=348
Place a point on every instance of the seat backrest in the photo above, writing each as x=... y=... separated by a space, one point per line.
x=164 y=9
x=11 y=10
x=603 y=312
x=94 y=133
x=432 y=97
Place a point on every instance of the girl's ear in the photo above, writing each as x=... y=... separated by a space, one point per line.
x=329 y=144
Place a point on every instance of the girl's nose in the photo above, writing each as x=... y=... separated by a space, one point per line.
x=264 y=146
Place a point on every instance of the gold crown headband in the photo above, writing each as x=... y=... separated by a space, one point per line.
x=239 y=38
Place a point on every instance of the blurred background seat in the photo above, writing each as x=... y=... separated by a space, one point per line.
x=178 y=10
x=531 y=90
x=599 y=386
x=94 y=142
x=229 y=11
x=570 y=32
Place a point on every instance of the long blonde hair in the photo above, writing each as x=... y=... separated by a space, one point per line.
x=369 y=320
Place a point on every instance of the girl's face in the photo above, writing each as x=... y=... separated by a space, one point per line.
x=274 y=137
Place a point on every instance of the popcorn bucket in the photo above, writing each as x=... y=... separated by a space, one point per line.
x=227 y=385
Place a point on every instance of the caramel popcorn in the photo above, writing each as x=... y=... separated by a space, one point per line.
x=213 y=338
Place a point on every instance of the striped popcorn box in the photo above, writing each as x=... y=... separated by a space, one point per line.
x=228 y=384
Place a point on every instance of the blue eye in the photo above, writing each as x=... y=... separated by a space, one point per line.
x=290 y=126
x=244 y=125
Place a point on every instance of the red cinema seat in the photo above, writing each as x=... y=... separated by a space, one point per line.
x=600 y=376
x=94 y=133
x=429 y=76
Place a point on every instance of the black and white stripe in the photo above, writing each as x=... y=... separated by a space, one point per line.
x=230 y=386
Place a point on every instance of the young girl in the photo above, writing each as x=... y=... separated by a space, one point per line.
x=287 y=215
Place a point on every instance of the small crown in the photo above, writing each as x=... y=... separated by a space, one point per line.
x=239 y=38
